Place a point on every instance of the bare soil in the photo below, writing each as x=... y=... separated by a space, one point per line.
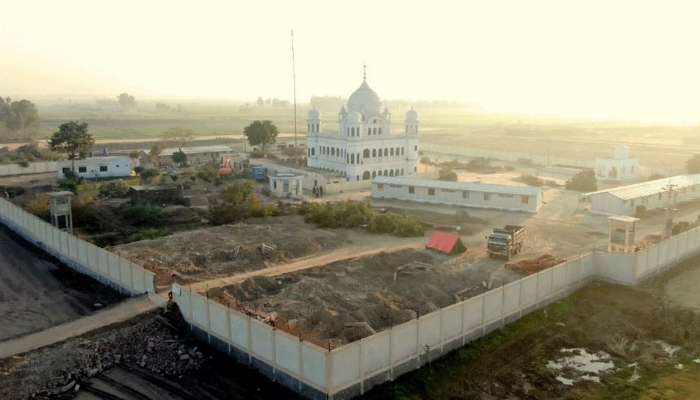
x=37 y=292
x=226 y=250
x=351 y=299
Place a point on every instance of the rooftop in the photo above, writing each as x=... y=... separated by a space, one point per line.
x=450 y=185
x=650 y=188
x=169 y=151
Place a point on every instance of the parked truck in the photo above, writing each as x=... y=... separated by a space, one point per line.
x=506 y=242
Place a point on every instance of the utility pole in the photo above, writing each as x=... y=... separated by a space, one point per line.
x=668 y=227
x=294 y=84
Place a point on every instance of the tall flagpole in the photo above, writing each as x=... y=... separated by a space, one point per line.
x=294 y=81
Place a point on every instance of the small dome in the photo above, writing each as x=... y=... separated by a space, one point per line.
x=365 y=101
x=314 y=114
x=412 y=115
x=353 y=117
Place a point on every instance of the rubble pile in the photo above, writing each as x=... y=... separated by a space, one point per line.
x=535 y=264
x=151 y=344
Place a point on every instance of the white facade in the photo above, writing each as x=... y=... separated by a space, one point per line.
x=364 y=145
x=286 y=184
x=625 y=200
x=97 y=167
x=465 y=194
x=620 y=168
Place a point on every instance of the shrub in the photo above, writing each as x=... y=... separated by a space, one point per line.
x=447 y=174
x=352 y=214
x=584 y=181
x=114 y=189
x=146 y=234
x=69 y=184
x=208 y=173
x=238 y=201
x=39 y=206
x=145 y=215
x=148 y=174
x=84 y=212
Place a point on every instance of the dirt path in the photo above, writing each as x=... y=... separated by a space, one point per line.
x=118 y=313
x=311 y=262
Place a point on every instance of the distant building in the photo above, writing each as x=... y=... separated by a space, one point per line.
x=97 y=167
x=196 y=155
x=626 y=200
x=620 y=168
x=464 y=194
x=156 y=195
x=363 y=146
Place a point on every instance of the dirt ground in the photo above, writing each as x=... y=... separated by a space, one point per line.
x=225 y=250
x=604 y=342
x=350 y=299
x=37 y=293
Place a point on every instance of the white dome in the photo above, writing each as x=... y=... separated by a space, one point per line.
x=353 y=117
x=412 y=115
x=365 y=101
x=314 y=114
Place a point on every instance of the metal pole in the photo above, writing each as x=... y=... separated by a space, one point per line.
x=294 y=84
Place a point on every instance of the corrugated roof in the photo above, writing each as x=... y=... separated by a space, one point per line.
x=450 y=185
x=650 y=188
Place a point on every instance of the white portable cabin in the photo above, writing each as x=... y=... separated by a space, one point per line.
x=97 y=167
x=625 y=200
x=286 y=184
x=465 y=194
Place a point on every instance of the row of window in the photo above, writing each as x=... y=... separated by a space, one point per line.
x=82 y=170
x=354 y=158
x=313 y=128
x=355 y=131
x=465 y=193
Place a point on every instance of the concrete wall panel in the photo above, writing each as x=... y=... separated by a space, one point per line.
x=529 y=290
x=544 y=284
x=376 y=353
x=451 y=321
x=493 y=305
x=288 y=352
x=511 y=297
x=199 y=310
x=218 y=319
x=430 y=330
x=262 y=340
x=239 y=329
x=473 y=313
x=404 y=340
x=345 y=363
x=314 y=365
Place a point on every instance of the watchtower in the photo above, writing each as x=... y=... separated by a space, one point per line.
x=622 y=231
x=60 y=210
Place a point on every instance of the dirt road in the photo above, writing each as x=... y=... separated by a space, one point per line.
x=36 y=293
x=311 y=262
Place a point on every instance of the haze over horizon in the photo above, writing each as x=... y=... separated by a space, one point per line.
x=626 y=60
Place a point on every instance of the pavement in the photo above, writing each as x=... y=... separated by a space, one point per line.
x=118 y=313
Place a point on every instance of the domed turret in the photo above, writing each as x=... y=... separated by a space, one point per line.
x=411 y=122
x=411 y=115
x=314 y=114
x=365 y=100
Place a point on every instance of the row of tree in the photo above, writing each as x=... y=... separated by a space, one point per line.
x=19 y=119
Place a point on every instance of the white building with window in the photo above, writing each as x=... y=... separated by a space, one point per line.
x=364 y=145
x=97 y=167
x=464 y=194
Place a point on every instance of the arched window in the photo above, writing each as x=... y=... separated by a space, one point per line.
x=365 y=175
x=352 y=159
x=369 y=131
x=374 y=173
x=332 y=151
x=374 y=131
x=392 y=152
x=391 y=172
x=386 y=152
x=365 y=153
x=380 y=130
x=386 y=173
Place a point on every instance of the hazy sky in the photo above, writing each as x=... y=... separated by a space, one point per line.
x=601 y=58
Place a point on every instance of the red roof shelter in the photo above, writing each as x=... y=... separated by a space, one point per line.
x=445 y=242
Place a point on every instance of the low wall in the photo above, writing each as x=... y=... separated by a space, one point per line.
x=84 y=257
x=33 y=168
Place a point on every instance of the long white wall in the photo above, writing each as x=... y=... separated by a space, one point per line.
x=32 y=168
x=78 y=254
x=354 y=368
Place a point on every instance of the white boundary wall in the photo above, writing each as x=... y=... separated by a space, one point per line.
x=78 y=254
x=471 y=152
x=33 y=168
x=354 y=368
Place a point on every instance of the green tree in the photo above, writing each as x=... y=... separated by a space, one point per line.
x=180 y=158
x=584 y=181
x=693 y=164
x=19 y=116
x=261 y=133
x=73 y=139
x=180 y=136
x=447 y=174
x=154 y=155
x=126 y=101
